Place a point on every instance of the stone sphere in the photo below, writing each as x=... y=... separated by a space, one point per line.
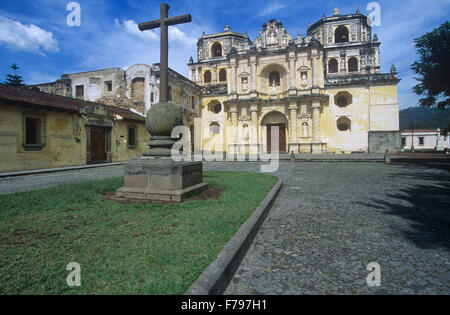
x=162 y=118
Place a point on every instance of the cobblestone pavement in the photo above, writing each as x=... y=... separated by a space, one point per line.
x=332 y=219
x=38 y=181
x=329 y=222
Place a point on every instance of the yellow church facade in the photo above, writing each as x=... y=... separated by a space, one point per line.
x=323 y=93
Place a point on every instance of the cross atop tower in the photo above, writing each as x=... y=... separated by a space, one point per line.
x=164 y=22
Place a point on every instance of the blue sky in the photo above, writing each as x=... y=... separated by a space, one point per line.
x=35 y=35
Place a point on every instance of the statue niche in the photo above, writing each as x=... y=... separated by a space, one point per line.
x=272 y=38
x=244 y=82
x=244 y=85
x=304 y=74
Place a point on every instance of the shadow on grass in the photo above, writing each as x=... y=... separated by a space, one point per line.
x=425 y=206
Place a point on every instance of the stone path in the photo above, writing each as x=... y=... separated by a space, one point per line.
x=329 y=222
x=38 y=181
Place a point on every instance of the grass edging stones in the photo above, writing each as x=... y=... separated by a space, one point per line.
x=122 y=248
x=216 y=278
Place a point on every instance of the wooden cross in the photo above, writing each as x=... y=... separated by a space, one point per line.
x=164 y=22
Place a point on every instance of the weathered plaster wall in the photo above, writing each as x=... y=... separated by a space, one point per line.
x=62 y=148
x=65 y=139
x=358 y=113
x=212 y=142
x=120 y=150
x=384 y=108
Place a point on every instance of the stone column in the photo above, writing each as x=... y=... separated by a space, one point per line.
x=293 y=109
x=254 y=123
x=254 y=129
x=193 y=75
x=199 y=75
x=343 y=63
x=292 y=59
x=253 y=73
x=234 y=122
x=316 y=120
x=315 y=71
x=233 y=77
x=214 y=74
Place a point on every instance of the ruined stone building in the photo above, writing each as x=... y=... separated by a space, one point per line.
x=325 y=92
x=136 y=88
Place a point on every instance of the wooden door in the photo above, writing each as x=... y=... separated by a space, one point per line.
x=98 y=144
x=282 y=137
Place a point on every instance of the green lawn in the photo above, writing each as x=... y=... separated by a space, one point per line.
x=135 y=248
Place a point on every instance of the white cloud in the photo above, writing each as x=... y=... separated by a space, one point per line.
x=176 y=34
x=271 y=9
x=126 y=45
x=131 y=27
x=22 y=37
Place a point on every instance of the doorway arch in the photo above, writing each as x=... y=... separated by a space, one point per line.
x=268 y=123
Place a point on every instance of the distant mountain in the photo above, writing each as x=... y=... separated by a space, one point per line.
x=424 y=118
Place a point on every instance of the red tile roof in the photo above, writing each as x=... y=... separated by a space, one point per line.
x=25 y=96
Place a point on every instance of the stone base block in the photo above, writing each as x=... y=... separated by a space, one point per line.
x=161 y=179
x=158 y=195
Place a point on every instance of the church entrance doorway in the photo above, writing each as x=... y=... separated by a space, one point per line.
x=268 y=123
x=281 y=137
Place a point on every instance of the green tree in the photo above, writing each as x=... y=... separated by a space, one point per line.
x=433 y=68
x=14 y=79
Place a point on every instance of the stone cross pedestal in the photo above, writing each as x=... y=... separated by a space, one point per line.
x=154 y=179
x=156 y=176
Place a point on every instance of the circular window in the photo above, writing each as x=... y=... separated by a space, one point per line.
x=217 y=108
x=342 y=101
x=214 y=129
x=344 y=124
